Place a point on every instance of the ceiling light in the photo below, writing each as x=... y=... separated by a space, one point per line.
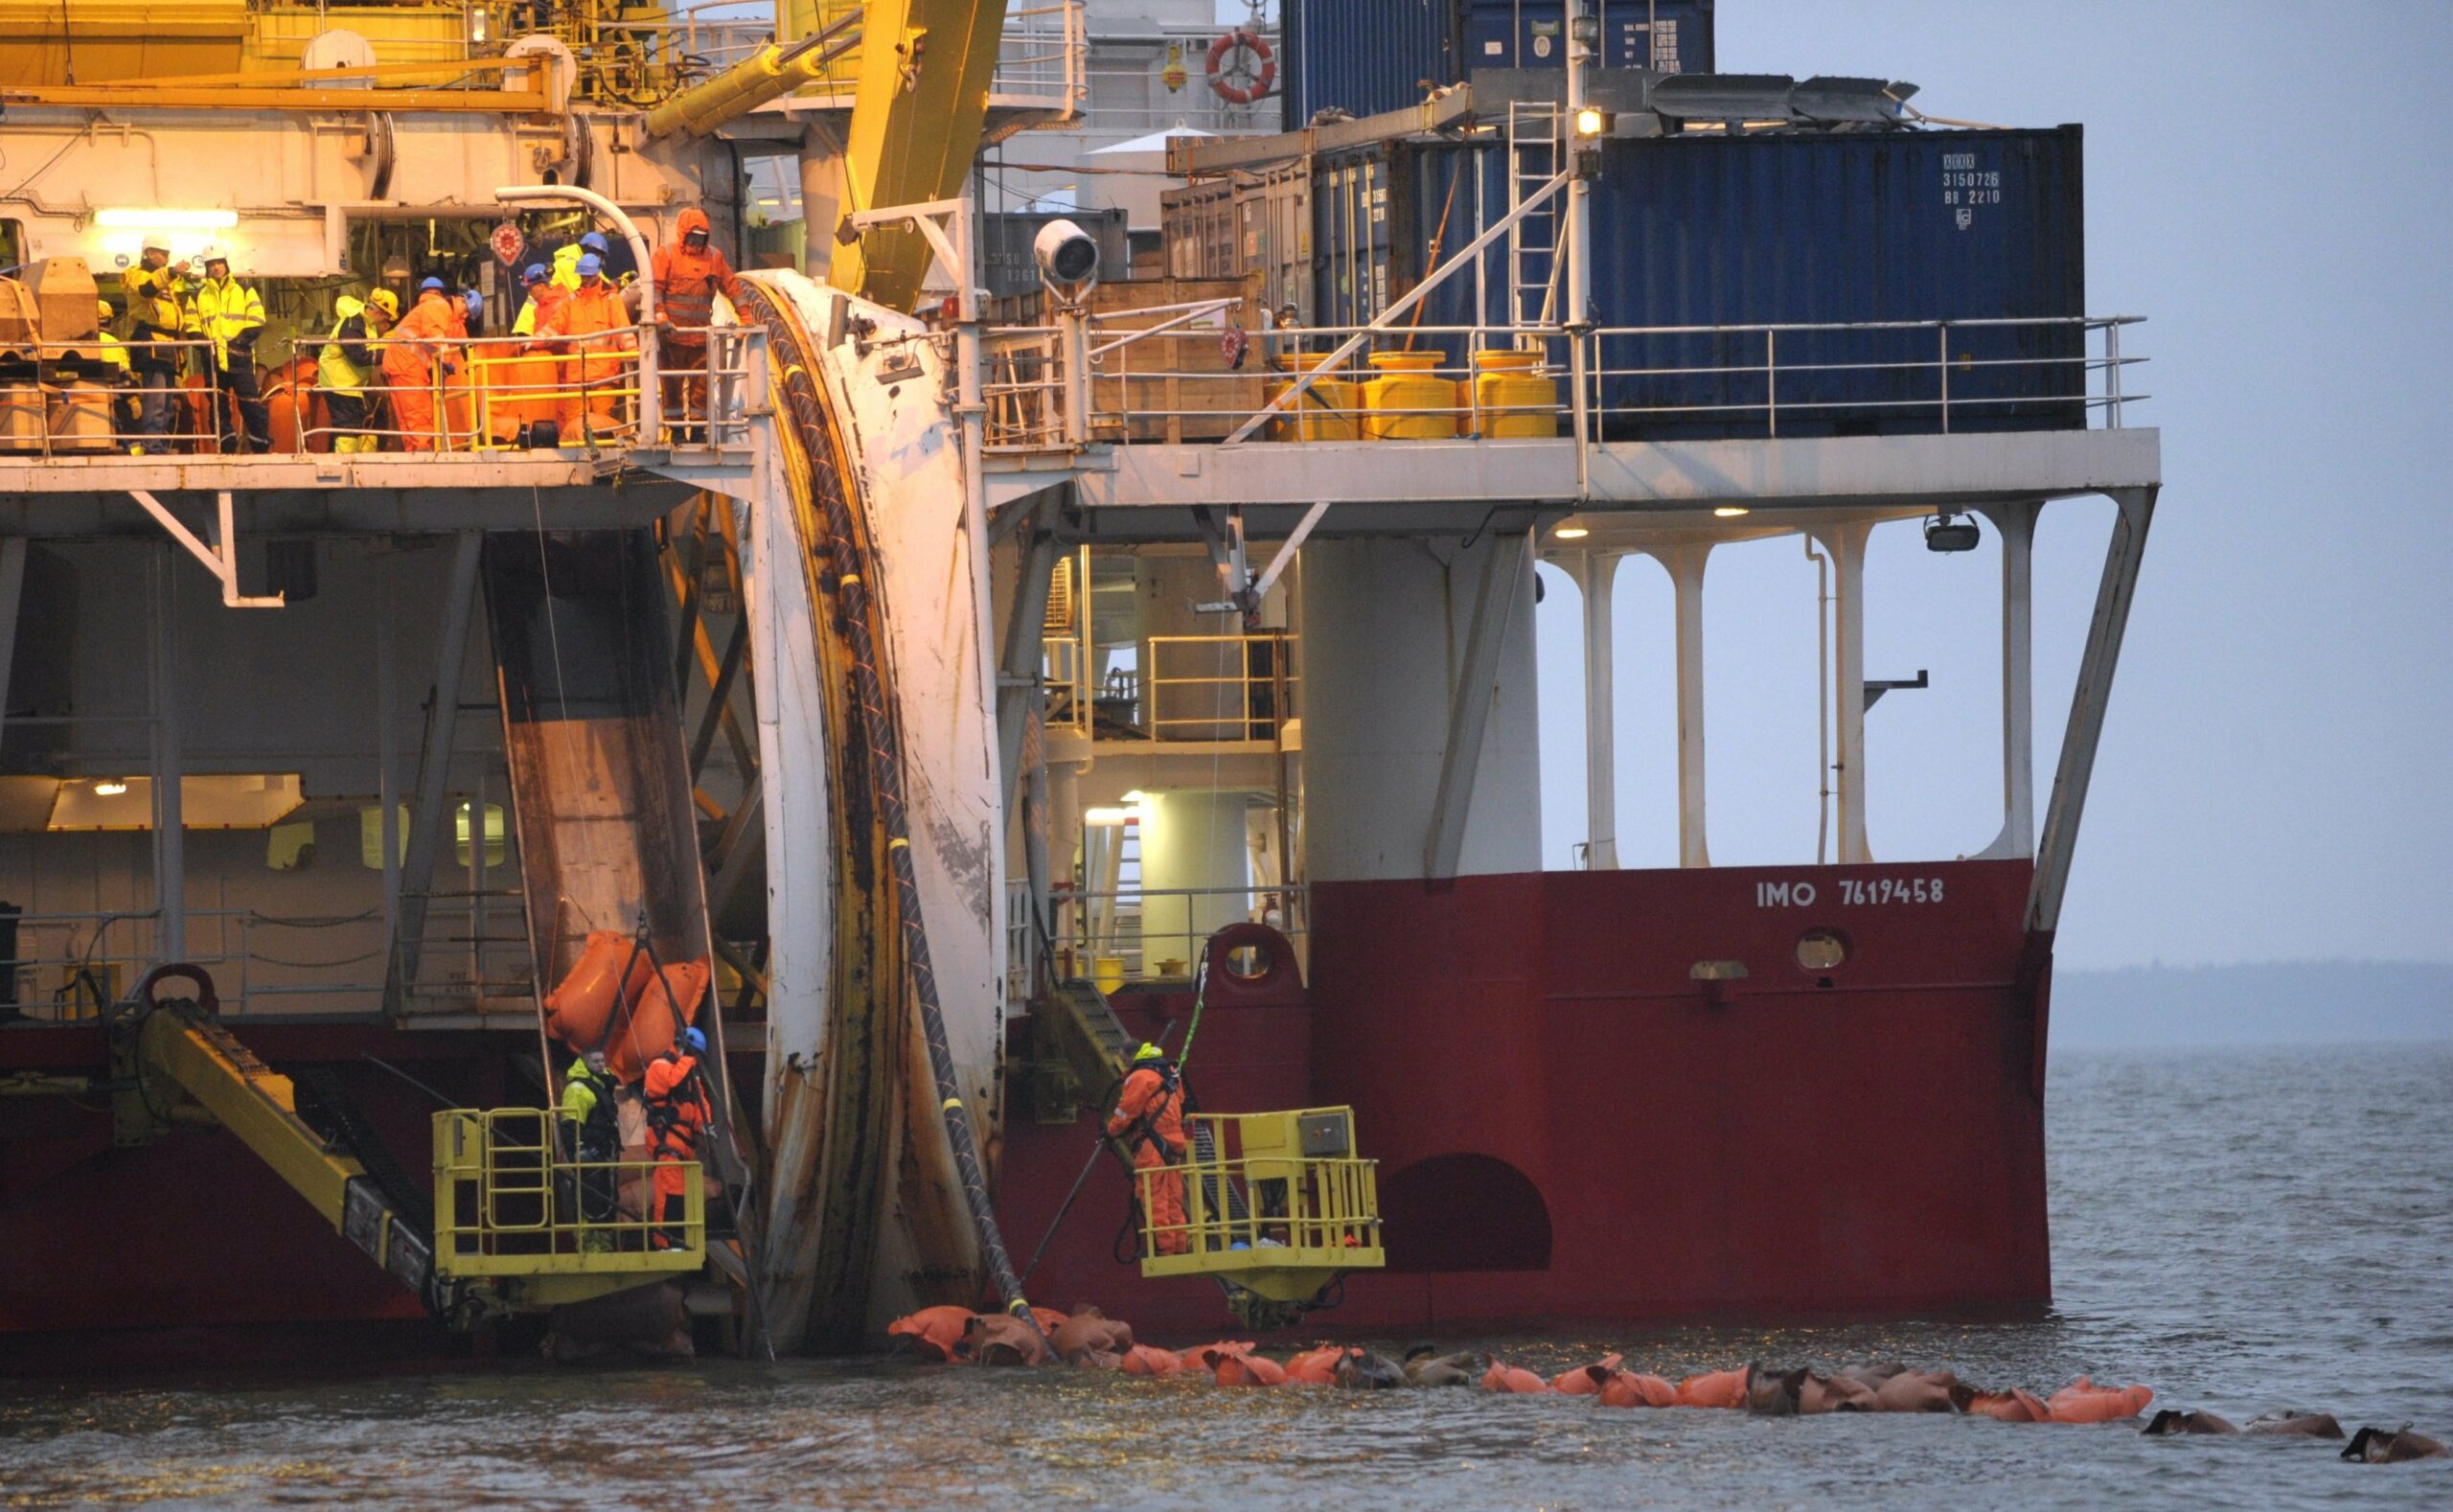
x=1570 y=533
x=1106 y=818
x=1729 y=510
x=109 y=790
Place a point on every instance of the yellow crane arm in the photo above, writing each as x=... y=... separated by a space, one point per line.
x=916 y=120
x=769 y=74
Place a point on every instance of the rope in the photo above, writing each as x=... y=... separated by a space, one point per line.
x=848 y=552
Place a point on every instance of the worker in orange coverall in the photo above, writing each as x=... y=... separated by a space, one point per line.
x=592 y=323
x=675 y=1097
x=412 y=362
x=689 y=273
x=1149 y=1118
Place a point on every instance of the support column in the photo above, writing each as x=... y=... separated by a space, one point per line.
x=2087 y=705
x=1595 y=573
x=169 y=814
x=823 y=206
x=2015 y=523
x=1686 y=565
x=1386 y=626
x=1500 y=583
x=415 y=883
x=1020 y=702
x=12 y=588
x=1191 y=841
x=1847 y=544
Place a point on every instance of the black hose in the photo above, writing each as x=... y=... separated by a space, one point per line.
x=850 y=554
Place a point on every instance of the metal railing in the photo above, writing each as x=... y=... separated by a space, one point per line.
x=1043 y=59
x=1260 y=1199
x=466 y=393
x=1218 y=687
x=1640 y=382
x=74 y=965
x=507 y=1202
x=1141 y=931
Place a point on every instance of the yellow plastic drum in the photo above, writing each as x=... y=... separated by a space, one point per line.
x=1509 y=396
x=1408 y=401
x=1331 y=409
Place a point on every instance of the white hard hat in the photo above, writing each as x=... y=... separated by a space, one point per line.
x=212 y=252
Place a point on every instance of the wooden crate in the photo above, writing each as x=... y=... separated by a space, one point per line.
x=1140 y=392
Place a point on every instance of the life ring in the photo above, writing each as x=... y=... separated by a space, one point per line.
x=1223 y=76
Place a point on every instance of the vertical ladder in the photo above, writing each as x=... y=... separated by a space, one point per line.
x=1536 y=152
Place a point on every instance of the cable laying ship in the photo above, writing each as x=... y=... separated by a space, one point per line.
x=951 y=692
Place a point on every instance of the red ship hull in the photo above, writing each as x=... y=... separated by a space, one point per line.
x=1570 y=1126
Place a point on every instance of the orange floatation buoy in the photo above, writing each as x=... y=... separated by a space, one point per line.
x=1723 y=1388
x=1504 y=1377
x=2083 y=1401
x=1249 y=1370
x=1149 y=1359
x=1315 y=1366
x=934 y=1331
x=1585 y=1379
x=1634 y=1388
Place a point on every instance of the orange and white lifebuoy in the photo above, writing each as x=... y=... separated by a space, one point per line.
x=1242 y=82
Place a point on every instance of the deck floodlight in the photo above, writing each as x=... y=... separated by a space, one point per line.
x=1592 y=121
x=1067 y=257
x=1947 y=531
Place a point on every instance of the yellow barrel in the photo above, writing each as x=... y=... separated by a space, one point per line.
x=1510 y=396
x=1329 y=410
x=1108 y=971
x=1408 y=383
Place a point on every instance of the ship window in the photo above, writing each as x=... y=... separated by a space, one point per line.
x=1820 y=949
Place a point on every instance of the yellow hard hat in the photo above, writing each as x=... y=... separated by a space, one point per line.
x=1148 y=1052
x=104 y=308
x=386 y=301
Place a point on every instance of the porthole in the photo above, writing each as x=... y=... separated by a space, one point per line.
x=1821 y=949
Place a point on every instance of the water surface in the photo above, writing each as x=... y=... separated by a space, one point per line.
x=2240 y=1230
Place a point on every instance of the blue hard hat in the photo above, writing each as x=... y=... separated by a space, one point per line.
x=475 y=302
x=594 y=242
x=432 y=283
x=536 y=274
x=696 y=1041
x=591 y=265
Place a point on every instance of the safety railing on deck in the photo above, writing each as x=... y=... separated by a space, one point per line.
x=1173 y=374
x=472 y=394
x=1270 y=1190
x=1157 y=933
x=508 y=1201
x=71 y=966
x=1218 y=687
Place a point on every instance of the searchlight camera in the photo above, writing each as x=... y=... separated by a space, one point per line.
x=1067 y=259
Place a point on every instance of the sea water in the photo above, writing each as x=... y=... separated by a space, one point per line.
x=2240 y=1229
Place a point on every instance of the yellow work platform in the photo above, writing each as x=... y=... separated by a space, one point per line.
x=511 y=1211
x=1275 y=1206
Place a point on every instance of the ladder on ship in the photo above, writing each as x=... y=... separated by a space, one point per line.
x=1536 y=152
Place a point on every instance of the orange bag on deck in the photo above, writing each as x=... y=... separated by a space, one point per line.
x=658 y=1012
x=580 y=1009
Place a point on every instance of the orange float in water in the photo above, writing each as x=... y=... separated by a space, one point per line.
x=1714 y=1388
x=1503 y=1377
x=1049 y=1319
x=1149 y=1359
x=934 y=1331
x=1315 y=1366
x=1208 y=1356
x=1630 y=1389
x=2013 y=1405
x=2085 y=1401
x=1585 y=1379
x=1249 y=1370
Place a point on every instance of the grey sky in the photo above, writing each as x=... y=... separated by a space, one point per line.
x=2267 y=183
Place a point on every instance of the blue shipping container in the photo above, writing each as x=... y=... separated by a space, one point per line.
x=1667 y=36
x=1793 y=229
x=1364 y=56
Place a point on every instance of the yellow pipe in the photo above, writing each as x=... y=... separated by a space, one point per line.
x=771 y=74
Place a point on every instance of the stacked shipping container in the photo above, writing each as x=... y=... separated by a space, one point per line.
x=1364 y=56
x=1704 y=230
